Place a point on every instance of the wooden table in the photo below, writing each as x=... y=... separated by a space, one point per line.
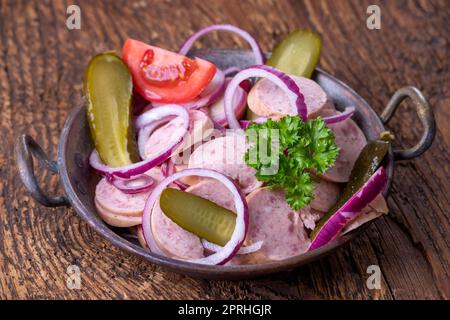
x=41 y=72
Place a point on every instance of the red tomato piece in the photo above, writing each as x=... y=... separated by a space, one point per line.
x=164 y=76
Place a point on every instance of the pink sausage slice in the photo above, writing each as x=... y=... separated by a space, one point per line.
x=267 y=100
x=117 y=220
x=174 y=240
x=351 y=140
x=217 y=110
x=326 y=194
x=115 y=201
x=188 y=180
x=310 y=216
x=226 y=155
x=140 y=236
x=275 y=223
x=200 y=127
x=214 y=191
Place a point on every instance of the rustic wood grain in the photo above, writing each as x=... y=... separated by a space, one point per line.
x=41 y=70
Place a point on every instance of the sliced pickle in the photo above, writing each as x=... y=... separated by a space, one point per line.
x=200 y=216
x=108 y=89
x=298 y=53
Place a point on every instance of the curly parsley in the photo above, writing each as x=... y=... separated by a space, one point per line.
x=284 y=152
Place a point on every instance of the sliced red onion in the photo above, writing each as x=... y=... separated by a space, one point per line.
x=209 y=95
x=135 y=169
x=159 y=113
x=165 y=169
x=244 y=123
x=168 y=169
x=243 y=250
x=145 y=133
x=282 y=80
x=135 y=185
x=231 y=70
x=259 y=55
x=350 y=210
x=219 y=127
x=217 y=110
x=242 y=219
x=348 y=112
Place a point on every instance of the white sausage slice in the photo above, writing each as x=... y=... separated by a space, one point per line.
x=115 y=201
x=326 y=194
x=275 y=223
x=214 y=191
x=226 y=155
x=200 y=125
x=351 y=140
x=310 y=216
x=140 y=236
x=117 y=220
x=172 y=239
x=267 y=100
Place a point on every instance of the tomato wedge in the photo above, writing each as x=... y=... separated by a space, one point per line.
x=164 y=76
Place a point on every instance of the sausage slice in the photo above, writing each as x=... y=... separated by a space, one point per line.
x=111 y=199
x=200 y=127
x=267 y=100
x=172 y=239
x=275 y=223
x=326 y=194
x=115 y=219
x=226 y=155
x=351 y=140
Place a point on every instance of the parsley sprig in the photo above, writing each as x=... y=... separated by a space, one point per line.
x=301 y=148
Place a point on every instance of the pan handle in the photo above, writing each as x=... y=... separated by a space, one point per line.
x=425 y=114
x=25 y=149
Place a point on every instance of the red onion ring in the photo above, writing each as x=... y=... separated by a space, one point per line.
x=135 y=185
x=168 y=169
x=141 y=167
x=259 y=55
x=239 y=102
x=242 y=219
x=231 y=70
x=350 y=210
x=159 y=113
x=219 y=127
x=145 y=132
x=279 y=78
x=243 y=250
x=213 y=91
x=347 y=113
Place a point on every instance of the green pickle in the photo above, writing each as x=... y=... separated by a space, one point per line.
x=200 y=216
x=298 y=53
x=108 y=88
x=369 y=160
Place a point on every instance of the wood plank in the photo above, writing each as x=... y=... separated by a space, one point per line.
x=41 y=71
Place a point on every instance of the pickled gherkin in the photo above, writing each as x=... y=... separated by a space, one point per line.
x=369 y=160
x=200 y=216
x=108 y=88
x=298 y=53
